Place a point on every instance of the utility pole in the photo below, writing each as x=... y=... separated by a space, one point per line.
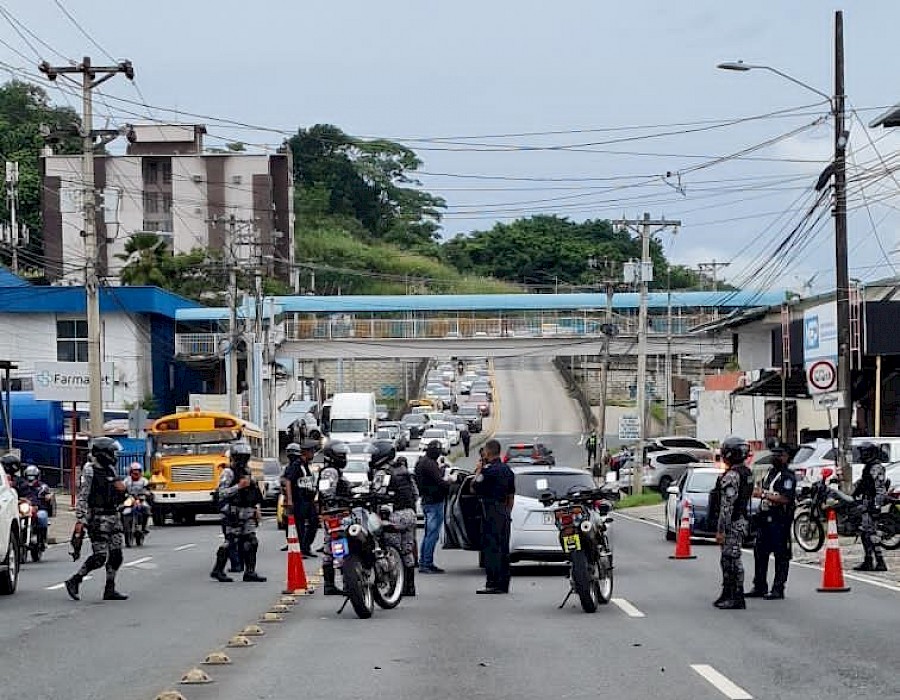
x=90 y=80
x=232 y=369
x=644 y=228
x=842 y=275
x=712 y=268
x=12 y=194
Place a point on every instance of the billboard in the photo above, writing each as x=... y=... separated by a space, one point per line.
x=70 y=381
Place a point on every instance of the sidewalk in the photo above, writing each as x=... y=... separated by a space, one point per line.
x=62 y=524
x=851 y=548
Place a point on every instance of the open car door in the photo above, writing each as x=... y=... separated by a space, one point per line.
x=462 y=524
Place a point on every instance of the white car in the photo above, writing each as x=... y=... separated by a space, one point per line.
x=450 y=427
x=812 y=457
x=435 y=434
x=357 y=469
x=9 y=538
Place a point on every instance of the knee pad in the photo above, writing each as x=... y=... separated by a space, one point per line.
x=249 y=543
x=115 y=559
x=95 y=561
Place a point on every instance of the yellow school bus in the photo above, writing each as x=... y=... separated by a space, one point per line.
x=189 y=451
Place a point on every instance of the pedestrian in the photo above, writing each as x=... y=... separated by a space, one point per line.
x=239 y=499
x=495 y=485
x=299 y=486
x=404 y=494
x=434 y=489
x=331 y=484
x=773 y=526
x=100 y=494
x=870 y=491
x=730 y=509
x=466 y=438
x=591 y=446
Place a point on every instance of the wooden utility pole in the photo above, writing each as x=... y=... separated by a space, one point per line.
x=90 y=80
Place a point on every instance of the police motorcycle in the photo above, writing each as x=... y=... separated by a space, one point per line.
x=372 y=571
x=811 y=515
x=582 y=516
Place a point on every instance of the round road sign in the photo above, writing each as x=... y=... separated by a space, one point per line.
x=822 y=375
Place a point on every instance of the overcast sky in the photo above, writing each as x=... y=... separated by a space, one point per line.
x=467 y=83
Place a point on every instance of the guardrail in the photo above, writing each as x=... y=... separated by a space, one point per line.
x=199 y=344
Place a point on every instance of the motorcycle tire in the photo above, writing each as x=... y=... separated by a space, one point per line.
x=389 y=579
x=139 y=539
x=36 y=552
x=356 y=588
x=809 y=532
x=890 y=531
x=584 y=583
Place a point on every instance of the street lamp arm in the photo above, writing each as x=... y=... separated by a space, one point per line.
x=740 y=66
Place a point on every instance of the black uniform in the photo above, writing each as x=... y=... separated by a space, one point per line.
x=773 y=532
x=303 y=493
x=466 y=438
x=494 y=485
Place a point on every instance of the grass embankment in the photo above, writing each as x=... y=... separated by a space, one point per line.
x=383 y=268
x=648 y=498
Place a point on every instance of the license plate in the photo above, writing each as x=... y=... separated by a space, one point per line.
x=571 y=543
x=339 y=548
x=549 y=519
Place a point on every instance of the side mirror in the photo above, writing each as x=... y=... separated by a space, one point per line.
x=546 y=498
x=672 y=490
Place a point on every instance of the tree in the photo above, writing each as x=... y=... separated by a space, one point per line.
x=146 y=260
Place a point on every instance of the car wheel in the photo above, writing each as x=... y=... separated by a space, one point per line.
x=9 y=579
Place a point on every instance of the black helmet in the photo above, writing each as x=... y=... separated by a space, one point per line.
x=241 y=453
x=335 y=454
x=869 y=453
x=292 y=450
x=383 y=453
x=434 y=450
x=106 y=451
x=735 y=450
x=11 y=464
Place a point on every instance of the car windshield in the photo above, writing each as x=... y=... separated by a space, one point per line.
x=359 y=448
x=520 y=451
x=437 y=434
x=803 y=454
x=384 y=435
x=533 y=484
x=349 y=425
x=702 y=482
x=271 y=468
x=479 y=398
x=357 y=466
x=468 y=410
x=413 y=419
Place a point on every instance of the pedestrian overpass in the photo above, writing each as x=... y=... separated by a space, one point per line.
x=478 y=325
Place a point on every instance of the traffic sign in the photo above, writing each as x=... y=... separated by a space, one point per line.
x=824 y=402
x=822 y=376
x=629 y=428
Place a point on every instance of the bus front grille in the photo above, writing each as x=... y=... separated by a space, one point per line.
x=193 y=473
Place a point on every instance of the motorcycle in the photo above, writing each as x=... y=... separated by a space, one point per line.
x=33 y=537
x=132 y=522
x=371 y=570
x=581 y=517
x=811 y=516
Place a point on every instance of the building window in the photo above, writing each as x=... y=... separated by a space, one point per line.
x=166 y=203
x=166 y=167
x=151 y=203
x=71 y=341
x=151 y=226
x=151 y=172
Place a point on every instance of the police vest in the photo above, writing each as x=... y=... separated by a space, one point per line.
x=402 y=488
x=745 y=491
x=103 y=496
x=249 y=497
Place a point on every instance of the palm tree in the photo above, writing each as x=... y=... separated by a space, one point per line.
x=146 y=260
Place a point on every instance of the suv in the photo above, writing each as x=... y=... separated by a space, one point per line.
x=9 y=537
x=662 y=469
x=693 y=446
x=529 y=453
x=473 y=417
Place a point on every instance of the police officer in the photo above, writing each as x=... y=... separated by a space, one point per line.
x=495 y=484
x=239 y=500
x=870 y=491
x=773 y=526
x=100 y=493
x=299 y=487
x=402 y=488
x=332 y=483
x=591 y=446
x=734 y=489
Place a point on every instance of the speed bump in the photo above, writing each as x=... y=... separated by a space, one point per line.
x=240 y=640
x=253 y=631
x=217 y=658
x=278 y=608
x=271 y=617
x=170 y=695
x=287 y=600
x=196 y=676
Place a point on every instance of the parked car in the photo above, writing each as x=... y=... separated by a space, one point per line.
x=481 y=401
x=698 y=448
x=520 y=453
x=694 y=486
x=662 y=469
x=272 y=477
x=473 y=417
x=812 y=457
x=435 y=434
x=415 y=423
x=10 y=560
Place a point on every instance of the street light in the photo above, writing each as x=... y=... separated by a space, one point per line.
x=838 y=169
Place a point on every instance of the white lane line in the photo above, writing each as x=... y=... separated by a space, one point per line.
x=620 y=514
x=627 y=607
x=137 y=561
x=184 y=547
x=721 y=683
x=57 y=586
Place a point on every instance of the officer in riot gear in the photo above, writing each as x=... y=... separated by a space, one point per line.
x=734 y=490
x=870 y=492
x=772 y=523
x=299 y=488
x=239 y=500
x=331 y=483
x=100 y=494
x=11 y=465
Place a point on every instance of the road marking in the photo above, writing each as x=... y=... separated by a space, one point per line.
x=721 y=683
x=620 y=514
x=184 y=547
x=627 y=607
x=137 y=561
x=57 y=586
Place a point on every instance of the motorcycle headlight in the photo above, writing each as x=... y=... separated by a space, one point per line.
x=25 y=509
x=585 y=526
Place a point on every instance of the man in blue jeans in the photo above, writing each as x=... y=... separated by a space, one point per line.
x=433 y=489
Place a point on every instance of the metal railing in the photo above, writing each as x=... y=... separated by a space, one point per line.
x=199 y=344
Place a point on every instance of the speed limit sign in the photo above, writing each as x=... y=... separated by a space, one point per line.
x=822 y=376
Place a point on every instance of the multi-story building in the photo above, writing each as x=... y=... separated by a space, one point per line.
x=166 y=183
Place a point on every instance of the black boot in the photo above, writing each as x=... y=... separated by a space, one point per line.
x=409 y=581
x=736 y=602
x=253 y=577
x=866 y=565
x=72 y=585
x=110 y=592
x=775 y=594
x=250 y=574
x=756 y=593
x=879 y=563
x=328 y=579
x=218 y=572
x=723 y=596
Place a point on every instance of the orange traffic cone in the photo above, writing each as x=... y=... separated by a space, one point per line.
x=296 y=575
x=683 y=542
x=833 y=573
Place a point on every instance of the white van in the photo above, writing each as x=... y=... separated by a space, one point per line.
x=353 y=417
